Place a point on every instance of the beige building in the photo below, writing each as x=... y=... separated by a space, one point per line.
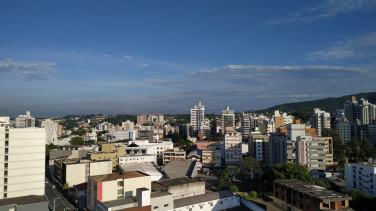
x=141 y=119
x=22 y=160
x=228 y=119
x=211 y=156
x=175 y=154
x=108 y=151
x=110 y=187
x=59 y=131
x=127 y=125
x=76 y=171
x=233 y=147
x=328 y=149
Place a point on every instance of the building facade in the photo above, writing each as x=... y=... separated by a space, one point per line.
x=24 y=120
x=233 y=147
x=361 y=176
x=173 y=154
x=198 y=119
x=51 y=130
x=258 y=147
x=319 y=119
x=228 y=119
x=211 y=157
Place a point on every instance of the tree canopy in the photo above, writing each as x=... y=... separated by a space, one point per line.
x=339 y=149
x=248 y=165
x=77 y=140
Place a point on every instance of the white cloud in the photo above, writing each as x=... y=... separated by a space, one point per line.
x=106 y=55
x=128 y=57
x=359 y=47
x=143 y=65
x=151 y=73
x=324 y=10
x=27 y=71
x=88 y=50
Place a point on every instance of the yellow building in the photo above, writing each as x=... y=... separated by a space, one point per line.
x=108 y=151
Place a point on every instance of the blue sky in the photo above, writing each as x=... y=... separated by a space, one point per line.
x=69 y=57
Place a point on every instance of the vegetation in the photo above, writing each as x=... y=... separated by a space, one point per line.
x=361 y=200
x=218 y=137
x=250 y=196
x=49 y=147
x=118 y=169
x=118 y=119
x=100 y=139
x=65 y=186
x=338 y=147
x=77 y=141
x=248 y=165
x=328 y=104
x=233 y=189
x=357 y=152
x=226 y=176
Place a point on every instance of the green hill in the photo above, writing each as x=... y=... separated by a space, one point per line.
x=330 y=104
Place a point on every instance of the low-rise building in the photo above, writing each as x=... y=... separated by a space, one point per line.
x=299 y=195
x=150 y=169
x=112 y=156
x=109 y=187
x=76 y=171
x=173 y=154
x=361 y=176
x=211 y=158
x=145 y=158
x=181 y=168
x=179 y=187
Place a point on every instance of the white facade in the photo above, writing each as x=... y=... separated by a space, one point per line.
x=156 y=118
x=91 y=136
x=233 y=147
x=22 y=161
x=24 y=120
x=137 y=159
x=155 y=148
x=77 y=173
x=51 y=131
x=319 y=119
x=123 y=135
x=361 y=176
x=198 y=119
x=127 y=125
x=246 y=125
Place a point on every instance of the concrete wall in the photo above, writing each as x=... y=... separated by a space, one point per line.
x=159 y=203
x=75 y=174
x=130 y=185
x=213 y=205
x=100 y=168
x=186 y=190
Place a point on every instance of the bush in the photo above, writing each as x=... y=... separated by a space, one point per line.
x=233 y=189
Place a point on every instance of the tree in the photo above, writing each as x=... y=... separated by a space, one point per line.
x=233 y=189
x=248 y=165
x=361 y=200
x=366 y=150
x=77 y=141
x=208 y=138
x=118 y=169
x=285 y=171
x=100 y=139
x=65 y=186
x=176 y=137
x=218 y=137
x=49 y=147
x=339 y=149
x=245 y=139
x=89 y=142
x=226 y=176
x=353 y=150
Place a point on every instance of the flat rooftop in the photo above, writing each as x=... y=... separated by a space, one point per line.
x=159 y=194
x=366 y=164
x=116 y=176
x=162 y=185
x=201 y=198
x=23 y=200
x=313 y=190
x=119 y=202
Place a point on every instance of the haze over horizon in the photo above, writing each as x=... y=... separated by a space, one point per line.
x=123 y=57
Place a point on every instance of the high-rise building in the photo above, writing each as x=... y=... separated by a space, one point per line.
x=344 y=130
x=198 y=119
x=233 y=147
x=23 y=161
x=51 y=130
x=25 y=120
x=246 y=125
x=258 y=147
x=311 y=153
x=228 y=119
x=319 y=119
x=156 y=118
x=141 y=119
x=363 y=111
x=361 y=176
x=127 y=125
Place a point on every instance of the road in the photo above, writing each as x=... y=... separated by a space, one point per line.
x=61 y=204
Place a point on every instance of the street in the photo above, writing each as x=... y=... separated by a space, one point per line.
x=61 y=204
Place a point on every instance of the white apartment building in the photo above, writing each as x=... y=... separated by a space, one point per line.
x=156 y=118
x=319 y=119
x=123 y=135
x=91 y=136
x=127 y=125
x=154 y=148
x=361 y=176
x=311 y=153
x=233 y=147
x=211 y=157
x=22 y=160
x=344 y=130
x=339 y=114
x=51 y=130
x=130 y=159
x=198 y=119
x=24 y=120
x=363 y=111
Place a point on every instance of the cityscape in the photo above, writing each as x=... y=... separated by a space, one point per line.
x=188 y=105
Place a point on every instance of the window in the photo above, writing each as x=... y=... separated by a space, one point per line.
x=5 y=195
x=221 y=202
x=156 y=207
x=343 y=203
x=166 y=205
x=5 y=180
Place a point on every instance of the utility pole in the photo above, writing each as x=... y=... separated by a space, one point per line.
x=54 y=202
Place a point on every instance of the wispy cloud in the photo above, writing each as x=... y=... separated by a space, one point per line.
x=359 y=47
x=128 y=57
x=143 y=65
x=27 y=71
x=106 y=55
x=151 y=73
x=79 y=84
x=324 y=10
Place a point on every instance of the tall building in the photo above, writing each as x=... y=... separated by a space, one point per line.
x=233 y=147
x=228 y=119
x=319 y=119
x=311 y=153
x=51 y=130
x=363 y=111
x=198 y=119
x=258 y=147
x=361 y=176
x=246 y=125
x=344 y=130
x=127 y=125
x=23 y=161
x=25 y=120
x=156 y=118
x=141 y=119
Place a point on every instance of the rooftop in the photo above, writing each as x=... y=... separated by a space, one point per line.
x=116 y=176
x=179 y=168
x=313 y=190
x=162 y=185
x=159 y=194
x=119 y=202
x=365 y=164
x=81 y=187
x=201 y=198
x=23 y=200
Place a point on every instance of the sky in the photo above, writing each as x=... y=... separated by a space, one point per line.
x=146 y=56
